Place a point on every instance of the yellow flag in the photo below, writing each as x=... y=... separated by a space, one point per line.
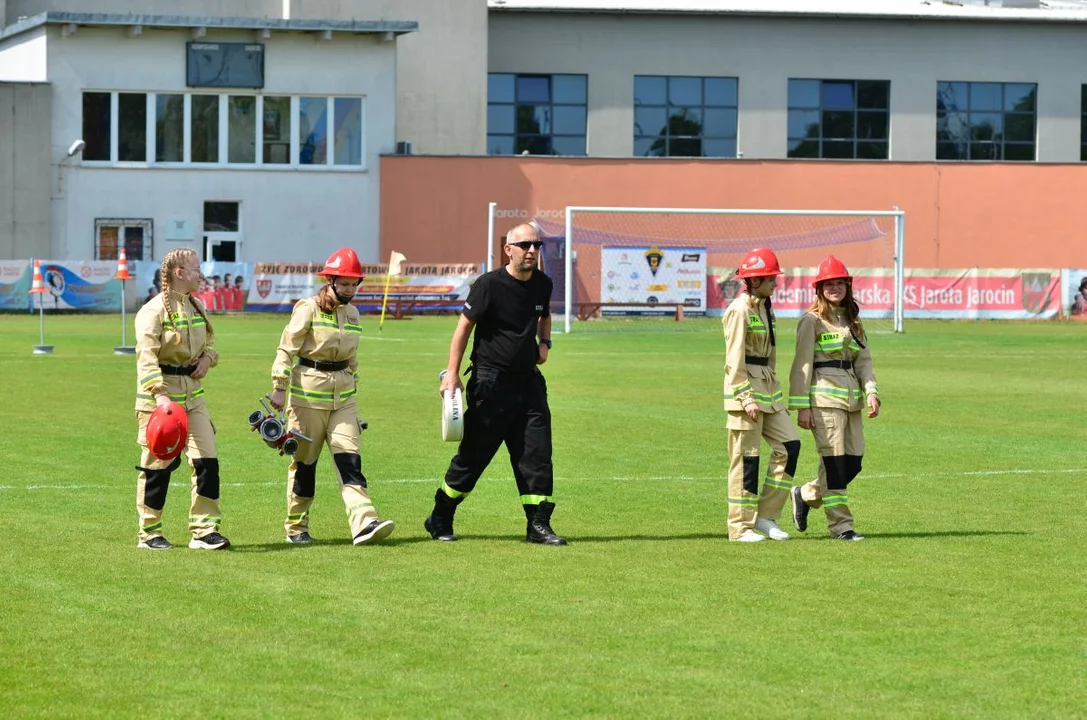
x=396 y=263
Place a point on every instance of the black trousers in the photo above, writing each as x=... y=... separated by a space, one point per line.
x=509 y=408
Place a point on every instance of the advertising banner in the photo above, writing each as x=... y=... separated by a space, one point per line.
x=79 y=285
x=15 y=278
x=1074 y=292
x=652 y=275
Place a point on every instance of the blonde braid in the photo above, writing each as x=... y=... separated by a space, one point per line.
x=171 y=262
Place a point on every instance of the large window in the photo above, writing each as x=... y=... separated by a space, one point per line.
x=985 y=121
x=839 y=119
x=536 y=114
x=224 y=130
x=685 y=116
x=111 y=234
x=1083 y=123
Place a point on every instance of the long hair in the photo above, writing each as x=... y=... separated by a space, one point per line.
x=171 y=262
x=327 y=301
x=821 y=307
x=748 y=282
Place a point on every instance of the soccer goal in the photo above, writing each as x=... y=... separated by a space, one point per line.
x=624 y=262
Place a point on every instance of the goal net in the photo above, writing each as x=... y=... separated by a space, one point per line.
x=617 y=266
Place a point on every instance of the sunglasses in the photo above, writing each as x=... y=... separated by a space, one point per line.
x=526 y=244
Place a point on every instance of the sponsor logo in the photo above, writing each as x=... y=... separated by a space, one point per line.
x=170 y=450
x=690 y=271
x=653 y=257
x=757 y=264
x=1036 y=290
x=657 y=288
x=85 y=271
x=634 y=276
x=264 y=287
x=467 y=306
x=690 y=257
x=692 y=302
x=624 y=259
x=652 y=299
x=689 y=284
x=539 y=308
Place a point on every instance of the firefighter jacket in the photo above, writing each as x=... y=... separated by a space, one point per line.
x=174 y=342
x=315 y=336
x=832 y=368
x=750 y=359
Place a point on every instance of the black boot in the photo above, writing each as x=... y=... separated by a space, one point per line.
x=539 y=525
x=440 y=522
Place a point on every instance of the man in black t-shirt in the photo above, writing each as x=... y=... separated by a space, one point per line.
x=509 y=309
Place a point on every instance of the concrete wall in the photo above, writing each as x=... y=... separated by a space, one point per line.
x=285 y=214
x=765 y=52
x=25 y=170
x=23 y=58
x=224 y=8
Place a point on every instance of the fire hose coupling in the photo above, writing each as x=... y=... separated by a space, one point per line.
x=273 y=430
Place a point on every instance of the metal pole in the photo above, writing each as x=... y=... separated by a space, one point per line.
x=490 y=236
x=900 y=273
x=569 y=240
x=41 y=323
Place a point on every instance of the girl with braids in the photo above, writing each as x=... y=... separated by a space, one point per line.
x=755 y=407
x=830 y=384
x=173 y=353
x=323 y=334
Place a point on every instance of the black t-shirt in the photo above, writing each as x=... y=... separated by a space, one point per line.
x=506 y=312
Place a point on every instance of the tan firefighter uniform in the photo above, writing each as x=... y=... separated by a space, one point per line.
x=322 y=407
x=750 y=360
x=832 y=375
x=167 y=347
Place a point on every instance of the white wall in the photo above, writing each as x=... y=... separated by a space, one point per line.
x=300 y=214
x=23 y=57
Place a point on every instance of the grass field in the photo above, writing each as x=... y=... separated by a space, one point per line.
x=969 y=598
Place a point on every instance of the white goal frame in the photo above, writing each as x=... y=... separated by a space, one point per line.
x=899 y=217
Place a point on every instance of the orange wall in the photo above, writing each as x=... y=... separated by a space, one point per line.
x=434 y=209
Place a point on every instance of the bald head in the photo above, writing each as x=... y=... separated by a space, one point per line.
x=524 y=231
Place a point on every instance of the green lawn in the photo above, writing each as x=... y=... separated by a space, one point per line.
x=969 y=598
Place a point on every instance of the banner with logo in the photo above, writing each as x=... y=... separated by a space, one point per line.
x=1073 y=299
x=420 y=288
x=79 y=285
x=929 y=293
x=669 y=275
x=15 y=280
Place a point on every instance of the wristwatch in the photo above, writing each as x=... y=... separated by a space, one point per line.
x=547 y=343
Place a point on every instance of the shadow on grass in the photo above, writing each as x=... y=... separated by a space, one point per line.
x=284 y=545
x=940 y=533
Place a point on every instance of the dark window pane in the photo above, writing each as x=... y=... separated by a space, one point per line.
x=500 y=88
x=649 y=147
x=838 y=148
x=1019 y=127
x=872 y=150
x=1017 y=151
x=1083 y=152
x=535 y=144
x=872 y=125
x=276 y=130
x=500 y=119
x=685 y=147
x=499 y=144
x=874 y=94
x=803 y=123
x=984 y=151
x=131 y=127
x=721 y=92
x=650 y=90
x=685 y=121
x=205 y=128
x=568 y=120
x=952 y=126
x=985 y=96
x=803 y=148
x=685 y=90
x=569 y=89
x=803 y=93
x=312 y=131
x=986 y=126
x=951 y=96
x=533 y=119
x=134 y=243
x=650 y=121
x=719 y=123
x=568 y=145
x=838 y=124
x=221 y=217
x=838 y=94
x=719 y=148
x=1020 y=97
x=1082 y=128
x=96 y=126
x=950 y=151
x=534 y=88
x=169 y=128
x=1083 y=98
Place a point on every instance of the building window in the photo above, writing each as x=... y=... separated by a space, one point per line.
x=845 y=119
x=97 y=114
x=169 y=128
x=1083 y=123
x=347 y=130
x=110 y=234
x=985 y=121
x=241 y=129
x=685 y=116
x=536 y=114
x=277 y=130
x=205 y=129
x=312 y=131
x=132 y=127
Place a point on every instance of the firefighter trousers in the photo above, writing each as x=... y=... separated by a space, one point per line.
x=745 y=501
x=839 y=438
x=339 y=429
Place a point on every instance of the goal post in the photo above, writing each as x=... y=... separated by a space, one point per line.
x=632 y=261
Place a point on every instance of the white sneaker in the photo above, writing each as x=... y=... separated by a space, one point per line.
x=748 y=536
x=770 y=528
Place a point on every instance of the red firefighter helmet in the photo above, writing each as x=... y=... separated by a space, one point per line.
x=167 y=431
x=342 y=263
x=760 y=262
x=831 y=269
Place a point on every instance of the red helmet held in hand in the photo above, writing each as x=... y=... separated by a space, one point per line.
x=831 y=269
x=760 y=262
x=342 y=263
x=167 y=431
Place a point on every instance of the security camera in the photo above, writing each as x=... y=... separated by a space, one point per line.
x=76 y=147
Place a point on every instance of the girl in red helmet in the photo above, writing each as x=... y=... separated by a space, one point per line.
x=831 y=383
x=173 y=354
x=754 y=402
x=323 y=336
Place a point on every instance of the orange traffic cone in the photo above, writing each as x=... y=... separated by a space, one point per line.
x=122 y=268
x=38 y=283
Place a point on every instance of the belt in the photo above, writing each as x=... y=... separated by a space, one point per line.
x=841 y=364
x=753 y=360
x=323 y=366
x=177 y=369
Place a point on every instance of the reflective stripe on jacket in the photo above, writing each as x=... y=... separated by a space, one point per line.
x=820 y=340
x=323 y=337
x=746 y=324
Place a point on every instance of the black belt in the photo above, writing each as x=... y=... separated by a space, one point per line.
x=177 y=369
x=753 y=360
x=323 y=366
x=841 y=364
